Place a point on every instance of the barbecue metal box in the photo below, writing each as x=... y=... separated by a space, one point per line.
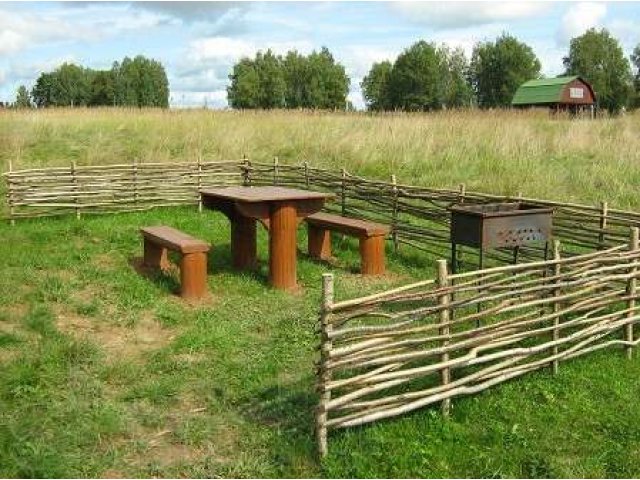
x=494 y=225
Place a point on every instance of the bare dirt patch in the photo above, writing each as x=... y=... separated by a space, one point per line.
x=119 y=341
x=11 y=315
x=105 y=261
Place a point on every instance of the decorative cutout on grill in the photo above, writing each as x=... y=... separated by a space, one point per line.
x=520 y=236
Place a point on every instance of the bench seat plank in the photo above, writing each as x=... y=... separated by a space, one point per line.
x=174 y=239
x=349 y=226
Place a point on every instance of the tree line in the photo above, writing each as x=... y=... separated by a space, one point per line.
x=423 y=77
x=290 y=81
x=427 y=77
x=137 y=82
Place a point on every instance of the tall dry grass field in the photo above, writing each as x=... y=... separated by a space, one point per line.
x=499 y=151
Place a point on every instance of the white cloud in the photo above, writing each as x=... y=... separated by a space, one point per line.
x=29 y=71
x=550 y=55
x=441 y=15
x=219 y=48
x=232 y=49
x=192 y=11
x=21 y=29
x=626 y=31
x=358 y=59
x=578 y=18
x=356 y=99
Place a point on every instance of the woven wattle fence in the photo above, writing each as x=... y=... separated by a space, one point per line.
x=78 y=190
x=429 y=342
x=418 y=215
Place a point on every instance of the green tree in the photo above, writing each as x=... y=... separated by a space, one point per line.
x=271 y=80
x=102 y=88
x=42 y=91
x=414 y=79
x=454 y=87
x=23 y=99
x=140 y=82
x=268 y=81
x=296 y=76
x=244 y=91
x=598 y=58
x=72 y=86
x=635 y=60
x=68 y=85
x=499 y=68
x=328 y=81
x=375 y=86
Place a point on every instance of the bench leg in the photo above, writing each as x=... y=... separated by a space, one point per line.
x=372 y=255
x=155 y=256
x=193 y=275
x=319 y=242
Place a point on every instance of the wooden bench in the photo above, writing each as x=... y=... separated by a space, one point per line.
x=193 y=265
x=370 y=234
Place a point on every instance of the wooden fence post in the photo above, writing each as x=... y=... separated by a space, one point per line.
x=10 y=195
x=275 y=170
x=631 y=290
x=74 y=180
x=343 y=192
x=324 y=374
x=246 y=171
x=462 y=190
x=394 y=221
x=306 y=174
x=199 y=184
x=556 y=305
x=444 y=300
x=604 y=209
x=135 y=180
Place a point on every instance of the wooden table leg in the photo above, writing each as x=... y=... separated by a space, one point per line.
x=282 y=245
x=243 y=242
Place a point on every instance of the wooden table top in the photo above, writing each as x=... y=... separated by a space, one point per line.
x=264 y=194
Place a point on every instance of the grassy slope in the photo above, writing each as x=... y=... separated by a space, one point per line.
x=104 y=372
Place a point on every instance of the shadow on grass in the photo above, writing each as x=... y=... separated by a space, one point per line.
x=166 y=280
x=220 y=261
x=288 y=410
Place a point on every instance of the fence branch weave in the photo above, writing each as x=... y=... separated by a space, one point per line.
x=418 y=216
x=112 y=188
x=393 y=352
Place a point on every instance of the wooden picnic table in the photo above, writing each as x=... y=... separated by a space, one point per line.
x=280 y=210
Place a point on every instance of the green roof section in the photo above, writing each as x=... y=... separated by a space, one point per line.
x=544 y=90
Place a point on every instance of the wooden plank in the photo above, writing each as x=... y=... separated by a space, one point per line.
x=350 y=226
x=264 y=194
x=174 y=239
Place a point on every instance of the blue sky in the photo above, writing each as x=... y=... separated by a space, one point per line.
x=198 y=42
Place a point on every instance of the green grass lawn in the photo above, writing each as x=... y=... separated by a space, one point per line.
x=106 y=372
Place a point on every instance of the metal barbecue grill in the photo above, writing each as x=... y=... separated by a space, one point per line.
x=499 y=225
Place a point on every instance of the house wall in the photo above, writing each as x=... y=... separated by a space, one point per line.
x=577 y=92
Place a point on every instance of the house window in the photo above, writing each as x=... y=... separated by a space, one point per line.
x=576 y=93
